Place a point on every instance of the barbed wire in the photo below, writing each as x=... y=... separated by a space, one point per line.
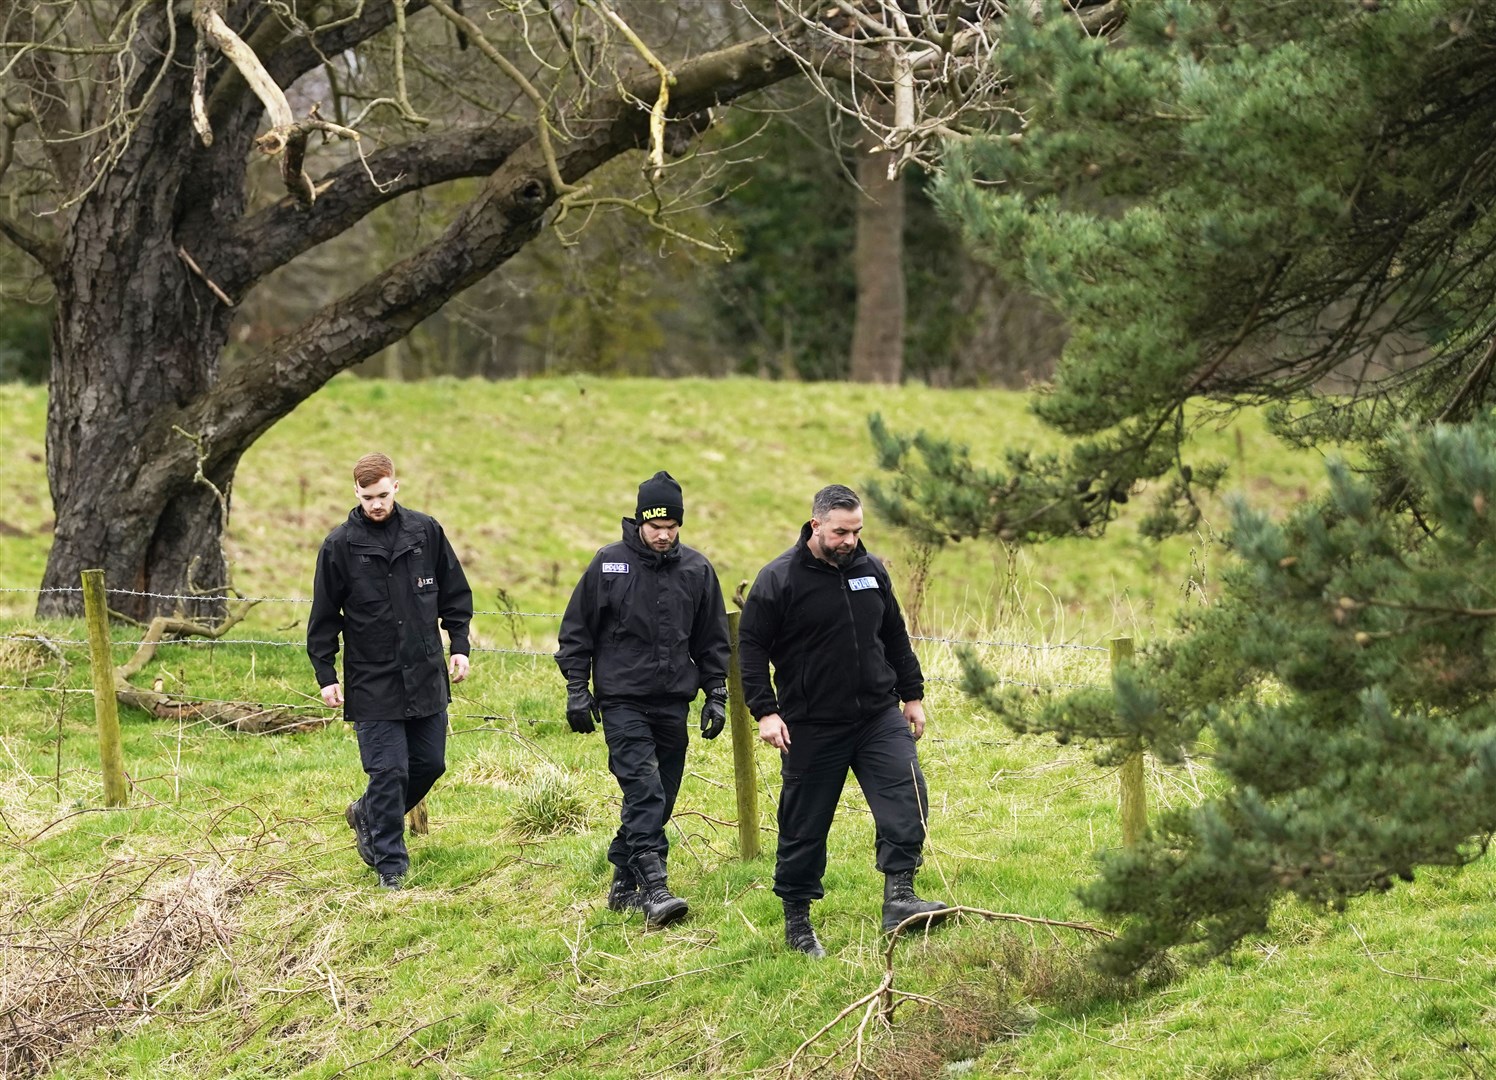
x=198 y=641
x=51 y=689
x=1037 y=647
x=256 y=599
x=1003 y=679
x=210 y=642
x=299 y=644
x=202 y=642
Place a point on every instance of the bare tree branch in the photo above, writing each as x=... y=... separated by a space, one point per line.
x=487 y=233
x=276 y=235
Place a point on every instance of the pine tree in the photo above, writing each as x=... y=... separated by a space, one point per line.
x=1282 y=204
x=1228 y=203
x=1344 y=684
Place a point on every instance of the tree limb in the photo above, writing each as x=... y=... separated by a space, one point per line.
x=210 y=23
x=279 y=233
x=301 y=53
x=504 y=216
x=499 y=60
x=46 y=94
x=44 y=251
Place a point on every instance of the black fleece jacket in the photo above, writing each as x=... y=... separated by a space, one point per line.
x=835 y=637
x=646 y=625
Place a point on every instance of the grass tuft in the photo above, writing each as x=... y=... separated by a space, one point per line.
x=550 y=803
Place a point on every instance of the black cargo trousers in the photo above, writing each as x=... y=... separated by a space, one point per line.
x=880 y=752
x=402 y=759
x=647 y=756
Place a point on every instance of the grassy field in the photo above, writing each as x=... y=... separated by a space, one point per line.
x=221 y=926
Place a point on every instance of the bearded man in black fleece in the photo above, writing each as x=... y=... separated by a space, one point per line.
x=647 y=623
x=824 y=615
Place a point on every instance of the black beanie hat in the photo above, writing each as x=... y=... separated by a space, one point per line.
x=659 y=497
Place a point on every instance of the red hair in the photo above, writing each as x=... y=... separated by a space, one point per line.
x=372 y=468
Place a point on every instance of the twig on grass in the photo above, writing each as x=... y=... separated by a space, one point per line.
x=880 y=1002
x=671 y=978
x=706 y=1050
x=1388 y=971
x=393 y=1046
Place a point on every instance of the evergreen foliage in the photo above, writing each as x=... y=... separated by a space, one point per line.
x=1230 y=203
x=1345 y=686
x=1280 y=203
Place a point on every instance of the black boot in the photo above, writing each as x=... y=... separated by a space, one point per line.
x=362 y=840
x=900 y=902
x=623 y=894
x=798 y=933
x=660 y=907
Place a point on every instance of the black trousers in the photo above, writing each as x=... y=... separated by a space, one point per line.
x=647 y=755
x=402 y=758
x=880 y=753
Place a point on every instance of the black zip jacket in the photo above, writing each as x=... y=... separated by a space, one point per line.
x=646 y=625
x=385 y=604
x=836 y=638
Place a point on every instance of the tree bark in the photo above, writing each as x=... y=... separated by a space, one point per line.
x=135 y=336
x=878 y=332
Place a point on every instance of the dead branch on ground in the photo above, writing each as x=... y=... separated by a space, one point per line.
x=877 y=1005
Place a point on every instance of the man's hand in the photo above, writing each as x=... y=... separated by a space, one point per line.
x=332 y=695
x=457 y=667
x=582 y=712
x=914 y=712
x=773 y=730
x=714 y=712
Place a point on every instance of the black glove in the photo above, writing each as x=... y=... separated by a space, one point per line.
x=582 y=712
x=714 y=712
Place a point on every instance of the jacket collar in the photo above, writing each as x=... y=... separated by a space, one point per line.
x=808 y=557
x=362 y=532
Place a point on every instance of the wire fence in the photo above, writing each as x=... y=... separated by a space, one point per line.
x=1042 y=666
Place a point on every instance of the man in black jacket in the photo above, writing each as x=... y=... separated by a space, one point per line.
x=824 y=614
x=646 y=622
x=384 y=579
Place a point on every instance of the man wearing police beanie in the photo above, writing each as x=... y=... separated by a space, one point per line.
x=646 y=625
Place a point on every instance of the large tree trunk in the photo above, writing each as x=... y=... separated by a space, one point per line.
x=136 y=336
x=133 y=342
x=878 y=333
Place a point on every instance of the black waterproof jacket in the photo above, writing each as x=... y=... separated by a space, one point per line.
x=647 y=625
x=385 y=604
x=836 y=638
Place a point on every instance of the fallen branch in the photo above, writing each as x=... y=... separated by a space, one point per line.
x=242 y=716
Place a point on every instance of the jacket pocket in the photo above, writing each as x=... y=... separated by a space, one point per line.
x=368 y=618
x=427 y=605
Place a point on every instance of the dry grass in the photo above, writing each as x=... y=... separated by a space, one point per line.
x=64 y=983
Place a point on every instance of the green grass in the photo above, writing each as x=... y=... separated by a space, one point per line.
x=269 y=953
x=531 y=477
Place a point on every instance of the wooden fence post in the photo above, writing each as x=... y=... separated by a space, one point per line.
x=744 y=769
x=106 y=708
x=1134 y=793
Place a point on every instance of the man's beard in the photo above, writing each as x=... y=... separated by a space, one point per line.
x=841 y=559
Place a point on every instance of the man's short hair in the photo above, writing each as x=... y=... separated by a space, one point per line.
x=833 y=497
x=372 y=468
